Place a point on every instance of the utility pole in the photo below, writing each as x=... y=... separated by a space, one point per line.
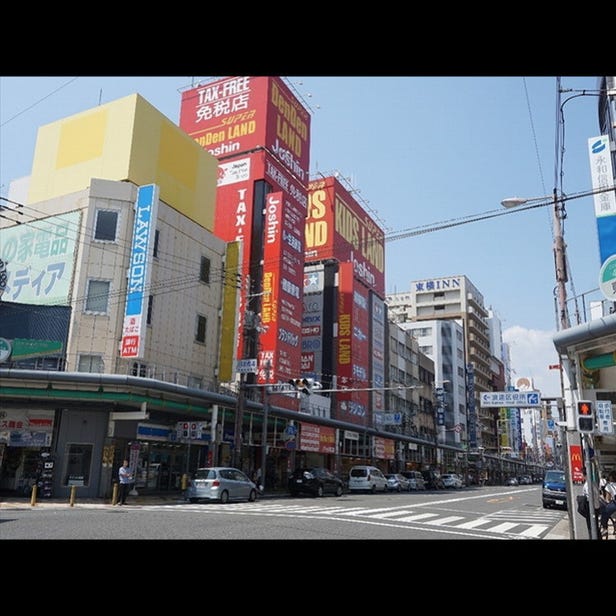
x=560 y=263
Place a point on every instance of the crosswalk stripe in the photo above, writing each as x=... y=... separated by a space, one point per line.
x=417 y=516
x=504 y=527
x=535 y=530
x=443 y=521
x=476 y=523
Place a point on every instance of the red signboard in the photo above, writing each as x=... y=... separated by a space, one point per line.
x=577 y=463
x=281 y=303
x=337 y=227
x=313 y=437
x=352 y=355
x=235 y=115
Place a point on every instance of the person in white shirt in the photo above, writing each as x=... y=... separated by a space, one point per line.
x=125 y=476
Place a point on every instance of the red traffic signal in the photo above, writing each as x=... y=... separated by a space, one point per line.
x=584 y=408
x=585 y=416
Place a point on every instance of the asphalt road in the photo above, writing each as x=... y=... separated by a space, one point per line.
x=487 y=513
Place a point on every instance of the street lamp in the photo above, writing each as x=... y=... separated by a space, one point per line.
x=559 y=250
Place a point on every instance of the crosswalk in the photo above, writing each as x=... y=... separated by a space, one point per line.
x=507 y=524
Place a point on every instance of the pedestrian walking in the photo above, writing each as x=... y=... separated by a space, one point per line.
x=125 y=476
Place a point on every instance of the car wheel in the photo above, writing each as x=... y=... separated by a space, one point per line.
x=224 y=497
x=339 y=491
x=252 y=497
x=399 y=489
x=373 y=489
x=193 y=500
x=319 y=491
x=294 y=494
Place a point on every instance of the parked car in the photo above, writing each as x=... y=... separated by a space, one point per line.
x=220 y=483
x=416 y=479
x=554 y=489
x=525 y=480
x=396 y=482
x=367 y=479
x=512 y=481
x=433 y=480
x=315 y=481
x=451 y=480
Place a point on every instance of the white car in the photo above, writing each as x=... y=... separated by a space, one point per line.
x=451 y=480
x=367 y=479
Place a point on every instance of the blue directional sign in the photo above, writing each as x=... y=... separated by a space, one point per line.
x=517 y=399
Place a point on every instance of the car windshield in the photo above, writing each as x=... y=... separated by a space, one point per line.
x=555 y=476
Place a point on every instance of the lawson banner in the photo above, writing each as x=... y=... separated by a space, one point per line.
x=139 y=272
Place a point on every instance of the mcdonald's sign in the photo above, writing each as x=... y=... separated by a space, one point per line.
x=576 y=463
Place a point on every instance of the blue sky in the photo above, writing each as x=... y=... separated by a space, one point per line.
x=418 y=151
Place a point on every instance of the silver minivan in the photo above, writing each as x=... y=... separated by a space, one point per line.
x=367 y=479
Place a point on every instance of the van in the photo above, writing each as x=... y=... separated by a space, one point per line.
x=367 y=479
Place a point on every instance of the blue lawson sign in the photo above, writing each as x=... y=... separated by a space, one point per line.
x=518 y=399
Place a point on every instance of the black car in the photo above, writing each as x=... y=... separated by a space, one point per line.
x=315 y=481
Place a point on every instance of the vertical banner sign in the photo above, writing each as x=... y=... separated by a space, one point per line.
x=605 y=421
x=139 y=272
x=602 y=177
x=470 y=405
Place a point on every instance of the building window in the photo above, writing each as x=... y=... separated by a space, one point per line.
x=201 y=327
x=204 y=272
x=106 y=225
x=90 y=363
x=156 y=239
x=139 y=369
x=97 y=298
x=195 y=382
x=150 y=307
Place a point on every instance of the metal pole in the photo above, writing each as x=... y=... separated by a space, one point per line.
x=264 y=438
x=591 y=488
x=237 y=434
x=266 y=394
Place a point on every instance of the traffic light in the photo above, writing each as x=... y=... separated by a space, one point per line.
x=585 y=416
x=303 y=385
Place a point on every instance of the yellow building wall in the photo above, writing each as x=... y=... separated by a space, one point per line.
x=126 y=139
x=229 y=322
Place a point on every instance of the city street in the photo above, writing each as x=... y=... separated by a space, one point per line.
x=499 y=513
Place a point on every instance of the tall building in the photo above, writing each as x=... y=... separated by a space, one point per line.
x=456 y=298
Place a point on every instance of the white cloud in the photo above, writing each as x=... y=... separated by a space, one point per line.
x=532 y=352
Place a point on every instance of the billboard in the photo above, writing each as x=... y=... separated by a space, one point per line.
x=377 y=347
x=235 y=115
x=282 y=288
x=351 y=349
x=239 y=217
x=313 y=321
x=337 y=227
x=139 y=272
x=39 y=259
x=321 y=439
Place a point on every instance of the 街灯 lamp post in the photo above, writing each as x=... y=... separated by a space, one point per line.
x=559 y=250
